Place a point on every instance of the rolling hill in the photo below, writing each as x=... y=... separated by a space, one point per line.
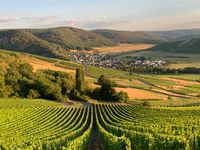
x=54 y=42
x=130 y=37
x=22 y=41
x=72 y=38
x=51 y=42
x=185 y=46
x=178 y=35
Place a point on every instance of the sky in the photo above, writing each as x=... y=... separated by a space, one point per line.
x=133 y=15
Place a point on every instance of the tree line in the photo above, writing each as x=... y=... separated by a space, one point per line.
x=164 y=70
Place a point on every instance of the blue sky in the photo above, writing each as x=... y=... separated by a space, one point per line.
x=91 y=14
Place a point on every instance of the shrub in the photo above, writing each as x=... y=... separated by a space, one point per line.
x=107 y=91
x=146 y=104
x=75 y=94
x=122 y=97
x=33 y=94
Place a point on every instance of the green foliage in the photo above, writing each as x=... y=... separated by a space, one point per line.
x=33 y=94
x=75 y=94
x=26 y=103
x=24 y=41
x=80 y=80
x=41 y=124
x=103 y=80
x=37 y=126
x=51 y=42
x=3 y=91
x=187 y=46
x=107 y=91
x=18 y=80
x=111 y=141
x=72 y=38
x=146 y=104
x=122 y=97
x=130 y=37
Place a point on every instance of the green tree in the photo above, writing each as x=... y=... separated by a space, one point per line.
x=122 y=97
x=102 y=79
x=107 y=91
x=33 y=94
x=80 y=83
x=67 y=85
x=3 y=91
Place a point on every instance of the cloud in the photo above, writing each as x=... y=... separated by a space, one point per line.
x=8 y=19
x=41 y=19
x=102 y=24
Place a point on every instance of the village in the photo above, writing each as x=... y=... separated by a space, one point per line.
x=108 y=61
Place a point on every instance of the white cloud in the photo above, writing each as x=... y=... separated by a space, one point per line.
x=8 y=19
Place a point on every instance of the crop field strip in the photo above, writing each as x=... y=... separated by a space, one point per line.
x=119 y=127
x=151 y=128
x=44 y=127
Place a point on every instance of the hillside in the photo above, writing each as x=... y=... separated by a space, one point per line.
x=72 y=38
x=186 y=46
x=178 y=35
x=19 y=40
x=130 y=37
x=50 y=42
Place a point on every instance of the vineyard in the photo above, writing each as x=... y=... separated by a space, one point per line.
x=48 y=125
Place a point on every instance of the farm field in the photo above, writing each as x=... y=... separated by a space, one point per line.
x=41 y=64
x=47 y=125
x=175 y=57
x=184 y=65
x=155 y=86
x=181 y=86
x=122 y=48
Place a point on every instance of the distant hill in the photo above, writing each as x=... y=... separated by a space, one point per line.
x=186 y=46
x=178 y=35
x=72 y=38
x=130 y=37
x=54 y=42
x=51 y=42
x=19 y=40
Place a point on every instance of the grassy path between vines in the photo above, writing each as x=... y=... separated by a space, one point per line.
x=95 y=139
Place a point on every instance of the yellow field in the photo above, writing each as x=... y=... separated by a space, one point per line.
x=40 y=65
x=183 y=82
x=184 y=65
x=123 y=48
x=141 y=94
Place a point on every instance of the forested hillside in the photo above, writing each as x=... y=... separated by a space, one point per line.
x=130 y=37
x=187 y=46
x=51 y=42
x=178 y=35
x=72 y=38
x=23 y=41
